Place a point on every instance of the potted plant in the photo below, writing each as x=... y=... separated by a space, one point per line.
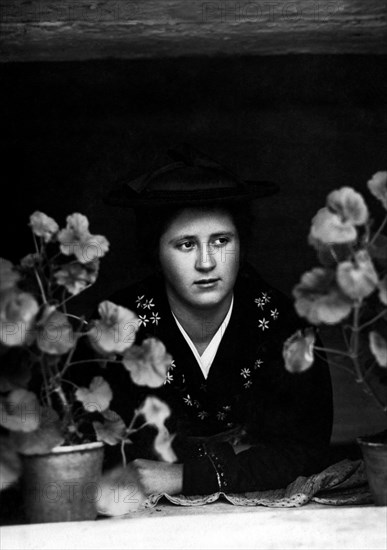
x=349 y=291
x=53 y=432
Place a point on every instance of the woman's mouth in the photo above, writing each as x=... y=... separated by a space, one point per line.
x=207 y=283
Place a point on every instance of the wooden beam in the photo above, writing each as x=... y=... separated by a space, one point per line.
x=48 y=30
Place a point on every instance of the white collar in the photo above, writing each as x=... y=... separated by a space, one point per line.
x=206 y=359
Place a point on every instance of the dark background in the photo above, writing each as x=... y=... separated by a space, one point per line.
x=311 y=123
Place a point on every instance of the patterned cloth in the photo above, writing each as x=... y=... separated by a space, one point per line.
x=344 y=483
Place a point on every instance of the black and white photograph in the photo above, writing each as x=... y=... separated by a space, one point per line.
x=193 y=274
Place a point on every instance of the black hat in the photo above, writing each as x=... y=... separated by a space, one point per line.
x=190 y=177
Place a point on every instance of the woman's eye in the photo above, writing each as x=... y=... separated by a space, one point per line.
x=221 y=241
x=186 y=245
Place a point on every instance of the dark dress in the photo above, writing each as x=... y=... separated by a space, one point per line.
x=287 y=418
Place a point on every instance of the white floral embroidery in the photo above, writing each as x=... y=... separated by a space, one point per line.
x=155 y=318
x=202 y=415
x=258 y=364
x=143 y=320
x=196 y=404
x=221 y=415
x=172 y=365
x=187 y=400
x=260 y=302
x=274 y=313
x=263 y=324
x=226 y=408
x=245 y=373
x=265 y=297
x=139 y=299
x=169 y=378
x=247 y=384
x=148 y=304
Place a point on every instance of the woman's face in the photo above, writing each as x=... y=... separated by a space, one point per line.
x=199 y=257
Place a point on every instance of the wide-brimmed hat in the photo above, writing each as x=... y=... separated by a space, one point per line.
x=190 y=177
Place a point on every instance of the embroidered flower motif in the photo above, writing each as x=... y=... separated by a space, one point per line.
x=221 y=415
x=139 y=299
x=155 y=318
x=187 y=400
x=196 y=404
x=143 y=320
x=260 y=302
x=274 y=313
x=202 y=415
x=265 y=297
x=245 y=373
x=148 y=304
x=183 y=378
x=169 y=378
x=226 y=408
x=172 y=365
x=263 y=324
x=247 y=384
x=258 y=364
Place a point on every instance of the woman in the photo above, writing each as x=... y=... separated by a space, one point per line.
x=242 y=422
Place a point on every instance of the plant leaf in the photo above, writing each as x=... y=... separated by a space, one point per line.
x=42 y=440
x=20 y=411
x=357 y=279
x=56 y=336
x=148 y=364
x=97 y=397
x=112 y=431
x=298 y=351
x=121 y=492
x=378 y=346
x=318 y=298
x=163 y=445
x=10 y=463
x=383 y=290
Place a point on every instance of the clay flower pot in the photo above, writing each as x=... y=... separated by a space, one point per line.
x=63 y=485
x=374 y=449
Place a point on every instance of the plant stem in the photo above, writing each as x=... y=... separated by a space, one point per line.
x=354 y=343
x=355 y=358
x=371 y=321
x=333 y=351
x=123 y=442
x=378 y=232
x=40 y=286
x=333 y=364
x=46 y=385
x=70 y=355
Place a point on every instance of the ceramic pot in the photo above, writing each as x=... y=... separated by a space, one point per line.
x=62 y=485
x=374 y=449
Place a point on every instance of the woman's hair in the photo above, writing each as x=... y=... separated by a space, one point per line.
x=152 y=223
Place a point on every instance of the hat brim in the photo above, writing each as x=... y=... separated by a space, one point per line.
x=124 y=196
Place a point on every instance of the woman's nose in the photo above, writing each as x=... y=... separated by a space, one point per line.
x=205 y=257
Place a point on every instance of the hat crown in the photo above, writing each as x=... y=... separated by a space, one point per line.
x=191 y=177
x=180 y=178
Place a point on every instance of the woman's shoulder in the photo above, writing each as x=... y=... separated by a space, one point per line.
x=266 y=305
x=250 y=284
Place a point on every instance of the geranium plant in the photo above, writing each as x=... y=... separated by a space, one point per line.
x=40 y=407
x=348 y=290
